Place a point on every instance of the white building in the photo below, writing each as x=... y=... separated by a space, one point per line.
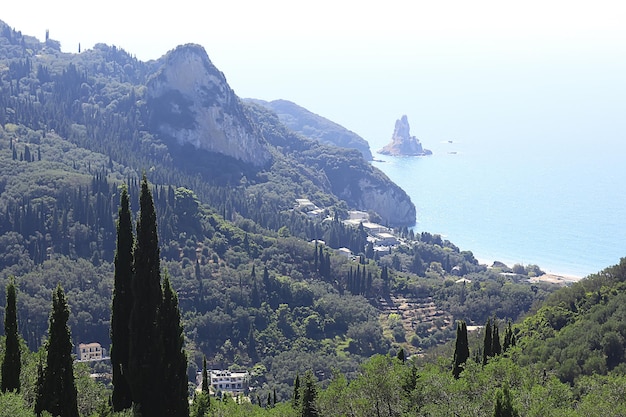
x=90 y=352
x=345 y=252
x=386 y=239
x=361 y=216
x=373 y=228
x=227 y=381
x=304 y=204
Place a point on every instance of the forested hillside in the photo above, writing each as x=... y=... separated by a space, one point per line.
x=261 y=285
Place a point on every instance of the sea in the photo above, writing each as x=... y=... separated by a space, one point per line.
x=560 y=205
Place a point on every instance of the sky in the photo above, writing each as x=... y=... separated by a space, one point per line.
x=452 y=66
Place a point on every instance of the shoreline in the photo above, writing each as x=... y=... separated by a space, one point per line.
x=549 y=276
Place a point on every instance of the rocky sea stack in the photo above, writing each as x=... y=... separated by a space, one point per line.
x=402 y=143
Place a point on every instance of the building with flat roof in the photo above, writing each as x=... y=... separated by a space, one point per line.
x=227 y=381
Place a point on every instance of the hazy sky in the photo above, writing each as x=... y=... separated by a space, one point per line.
x=456 y=68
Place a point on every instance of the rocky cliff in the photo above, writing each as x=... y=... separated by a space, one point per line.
x=316 y=127
x=190 y=101
x=402 y=143
x=390 y=202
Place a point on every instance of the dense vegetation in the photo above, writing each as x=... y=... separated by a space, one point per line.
x=254 y=291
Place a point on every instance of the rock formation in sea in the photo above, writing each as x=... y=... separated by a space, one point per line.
x=402 y=143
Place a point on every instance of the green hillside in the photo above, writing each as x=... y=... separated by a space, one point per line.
x=261 y=284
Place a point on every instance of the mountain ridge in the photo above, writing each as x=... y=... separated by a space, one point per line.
x=313 y=126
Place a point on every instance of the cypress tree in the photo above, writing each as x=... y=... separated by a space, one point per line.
x=175 y=392
x=309 y=396
x=202 y=400
x=145 y=344
x=122 y=306
x=205 y=377
x=401 y=355
x=12 y=365
x=461 y=348
x=496 y=347
x=509 y=338
x=487 y=342
x=57 y=389
x=296 y=392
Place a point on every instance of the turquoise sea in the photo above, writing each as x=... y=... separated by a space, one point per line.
x=561 y=206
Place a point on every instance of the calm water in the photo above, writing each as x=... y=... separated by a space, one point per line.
x=561 y=207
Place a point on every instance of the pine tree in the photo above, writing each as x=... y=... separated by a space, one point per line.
x=122 y=306
x=503 y=406
x=461 y=348
x=145 y=344
x=57 y=389
x=309 y=396
x=12 y=364
x=175 y=390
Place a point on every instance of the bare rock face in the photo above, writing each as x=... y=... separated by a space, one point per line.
x=391 y=203
x=402 y=143
x=191 y=102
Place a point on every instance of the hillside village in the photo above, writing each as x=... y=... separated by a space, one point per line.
x=381 y=237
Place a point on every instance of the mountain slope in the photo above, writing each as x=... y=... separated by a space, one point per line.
x=316 y=127
x=581 y=329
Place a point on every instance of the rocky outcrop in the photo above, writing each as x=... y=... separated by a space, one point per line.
x=391 y=203
x=402 y=143
x=190 y=101
x=316 y=127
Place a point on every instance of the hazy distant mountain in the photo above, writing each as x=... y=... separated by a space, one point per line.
x=316 y=127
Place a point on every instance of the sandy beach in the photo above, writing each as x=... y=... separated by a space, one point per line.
x=552 y=277
x=556 y=278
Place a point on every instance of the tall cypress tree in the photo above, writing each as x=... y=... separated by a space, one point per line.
x=487 y=342
x=12 y=365
x=175 y=392
x=205 y=377
x=509 y=338
x=122 y=306
x=202 y=400
x=496 y=347
x=57 y=389
x=308 y=399
x=461 y=348
x=295 y=399
x=145 y=345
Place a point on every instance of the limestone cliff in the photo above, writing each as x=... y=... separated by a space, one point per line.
x=390 y=202
x=190 y=101
x=402 y=143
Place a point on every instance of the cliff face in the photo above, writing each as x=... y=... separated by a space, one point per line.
x=402 y=143
x=389 y=201
x=190 y=101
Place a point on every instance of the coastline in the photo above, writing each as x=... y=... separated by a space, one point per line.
x=549 y=276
